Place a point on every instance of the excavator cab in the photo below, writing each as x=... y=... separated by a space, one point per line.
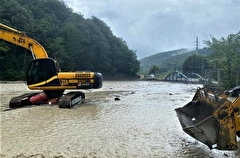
x=42 y=69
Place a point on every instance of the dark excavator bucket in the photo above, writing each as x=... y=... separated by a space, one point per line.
x=209 y=119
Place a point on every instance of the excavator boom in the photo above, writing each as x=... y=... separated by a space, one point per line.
x=21 y=39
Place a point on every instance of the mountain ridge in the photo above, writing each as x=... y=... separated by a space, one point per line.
x=169 y=60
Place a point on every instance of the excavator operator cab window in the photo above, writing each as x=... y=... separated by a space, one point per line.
x=41 y=70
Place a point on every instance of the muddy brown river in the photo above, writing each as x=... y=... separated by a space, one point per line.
x=142 y=124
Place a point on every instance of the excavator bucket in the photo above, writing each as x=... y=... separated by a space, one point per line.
x=209 y=119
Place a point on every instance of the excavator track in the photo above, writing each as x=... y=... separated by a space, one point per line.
x=21 y=101
x=65 y=101
x=71 y=99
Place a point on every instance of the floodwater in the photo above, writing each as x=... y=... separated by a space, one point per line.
x=143 y=123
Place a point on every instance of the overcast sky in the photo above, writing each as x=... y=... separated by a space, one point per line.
x=164 y=24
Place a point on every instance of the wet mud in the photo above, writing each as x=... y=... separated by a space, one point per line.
x=141 y=122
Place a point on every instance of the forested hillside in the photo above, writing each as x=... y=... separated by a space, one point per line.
x=75 y=42
x=169 y=60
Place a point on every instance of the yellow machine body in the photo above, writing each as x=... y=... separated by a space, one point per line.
x=212 y=119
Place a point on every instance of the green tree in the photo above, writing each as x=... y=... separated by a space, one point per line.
x=154 y=69
x=75 y=42
x=123 y=59
x=226 y=56
x=195 y=63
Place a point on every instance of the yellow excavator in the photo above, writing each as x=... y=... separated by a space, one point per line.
x=44 y=74
x=213 y=117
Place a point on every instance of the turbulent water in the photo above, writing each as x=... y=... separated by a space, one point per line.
x=142 y=123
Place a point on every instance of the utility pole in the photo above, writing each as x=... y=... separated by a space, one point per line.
x=197 y=44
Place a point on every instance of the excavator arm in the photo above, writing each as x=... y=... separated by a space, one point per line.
x=43 y=73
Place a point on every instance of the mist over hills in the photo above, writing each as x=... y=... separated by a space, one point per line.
x=143 y=51
x=169 y=60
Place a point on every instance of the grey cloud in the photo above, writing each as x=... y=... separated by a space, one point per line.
x=164 y=25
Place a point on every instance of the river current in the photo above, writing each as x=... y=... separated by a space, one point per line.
x=142 y=123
